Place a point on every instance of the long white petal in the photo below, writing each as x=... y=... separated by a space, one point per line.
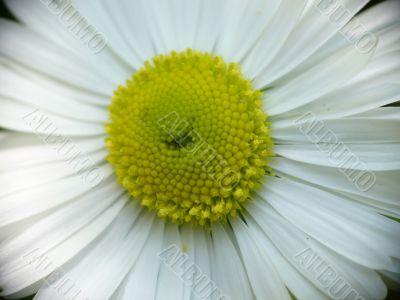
x=293 y=243
x=263 y=276
x=320 y=80
x=357 y=233
x=299 y=47
x=227 y=261
x=363 y=157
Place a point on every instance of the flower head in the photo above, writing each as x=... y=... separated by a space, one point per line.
x=202 y=149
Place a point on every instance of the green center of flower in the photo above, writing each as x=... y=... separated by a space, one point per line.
x=188 y=138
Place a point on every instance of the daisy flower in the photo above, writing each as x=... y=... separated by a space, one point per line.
x=202 y=149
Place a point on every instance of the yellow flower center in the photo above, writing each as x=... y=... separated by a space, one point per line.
x=188 y=138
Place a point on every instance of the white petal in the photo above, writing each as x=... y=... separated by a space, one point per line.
x=299 y=285
x=141 y=282
x=380 y=15
x=108 y=21
x=58 y=219
x=128 y=23
x=316 y=82
x=382 y=207
x=227 y=261
x=389 y=40
x=55 y=86
x=162 y=13
x=180 y=21
x=378 y=21
x=377 y=85
x=56 y=239
x=75 y=272
x=187 y=239
x=13 y=86
x=22 y=117
x=82 y=166
x=202 y=259
x=263 y=276
x=68 y=31
x=387 y=113
x=349 y=130
x=292 y=243
x=273 y=37
x=243 y=23
x=357 y=233
x=36 y=52
x=363 y=157
x=299 y=47
x=385 y=189
x=210 y=25
x=30 y=202
x=381 y=69
x=118 y=263
x=169 y=285
x=22 y=150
